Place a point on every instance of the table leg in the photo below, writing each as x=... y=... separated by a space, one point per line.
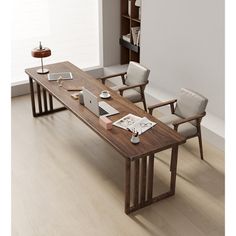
x=45 y=103
x=39 y=98
x=136 y=183
x=32 y=96
x=143 y=189
x=127 y=185
x=174 y=158
x=50 y=102
x=45 y=100
x=150 y=177
x=143 y=179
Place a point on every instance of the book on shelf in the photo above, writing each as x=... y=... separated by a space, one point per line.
x=134 y=123
x=134 y=32
x=138 y=38
x=127 y=37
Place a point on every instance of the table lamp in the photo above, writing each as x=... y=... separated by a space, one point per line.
x=41 y=52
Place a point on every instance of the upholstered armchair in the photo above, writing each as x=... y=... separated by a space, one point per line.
x=186 y=114
x=134 y=82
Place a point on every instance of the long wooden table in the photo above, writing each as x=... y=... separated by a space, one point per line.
x=157 y=139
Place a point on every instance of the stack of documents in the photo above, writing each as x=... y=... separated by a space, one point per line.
x=134 y=123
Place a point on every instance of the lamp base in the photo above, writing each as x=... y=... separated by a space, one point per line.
x=42 y=71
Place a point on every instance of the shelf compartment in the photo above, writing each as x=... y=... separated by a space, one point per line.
x=128 y=45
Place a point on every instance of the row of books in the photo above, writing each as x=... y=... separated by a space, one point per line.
x=134 y=36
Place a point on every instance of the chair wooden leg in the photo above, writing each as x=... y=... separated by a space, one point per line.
x=144 y=105
x=200 y=145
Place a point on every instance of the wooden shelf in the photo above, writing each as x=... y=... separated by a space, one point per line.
x=136 y=20
x=126 y=16
x=129 y=18
x=129 y=51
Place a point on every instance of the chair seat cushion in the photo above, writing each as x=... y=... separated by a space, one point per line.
x=186 y=129
x=130 y=94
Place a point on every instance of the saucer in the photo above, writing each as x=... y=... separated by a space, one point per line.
x=107 y=96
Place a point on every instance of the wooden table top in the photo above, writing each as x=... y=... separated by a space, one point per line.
x=156 y=139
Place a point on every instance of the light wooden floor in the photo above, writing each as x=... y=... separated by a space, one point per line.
x=67 y=181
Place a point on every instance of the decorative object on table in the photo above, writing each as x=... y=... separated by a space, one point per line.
x=105 y=122
x=75 y=95
x=135 y=137
x=41 y=52
x=63 y=75
x=138 y=3
x=127 y=37
x=129 y=7
x=59 y=81
x=105 y=94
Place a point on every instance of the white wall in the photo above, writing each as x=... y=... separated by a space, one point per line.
x=183 y=45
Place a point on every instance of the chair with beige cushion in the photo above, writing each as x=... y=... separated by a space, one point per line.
x=134 y=82
x=186 y=114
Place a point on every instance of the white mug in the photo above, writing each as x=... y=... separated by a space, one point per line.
x=105 y=93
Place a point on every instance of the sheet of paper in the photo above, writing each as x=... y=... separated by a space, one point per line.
x=134 y=123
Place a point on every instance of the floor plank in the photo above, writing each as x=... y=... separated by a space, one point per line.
x=67 y=181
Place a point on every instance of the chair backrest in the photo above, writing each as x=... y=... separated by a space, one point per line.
x=136 y=74
x=190 y=103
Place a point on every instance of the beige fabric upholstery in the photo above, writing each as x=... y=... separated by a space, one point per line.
x=136 y=74
x=186 y=129
x=130 y=94
x=190 y=103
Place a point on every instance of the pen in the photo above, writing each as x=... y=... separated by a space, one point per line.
x=78 y=89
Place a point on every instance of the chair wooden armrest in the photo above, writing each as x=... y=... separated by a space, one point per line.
x=103 y=79
x=142 y=86
x=170 y=102
x=192 y=118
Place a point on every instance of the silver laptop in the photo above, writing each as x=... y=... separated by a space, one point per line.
x=98 y=108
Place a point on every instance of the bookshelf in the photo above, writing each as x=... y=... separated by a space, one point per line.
x=129 y=20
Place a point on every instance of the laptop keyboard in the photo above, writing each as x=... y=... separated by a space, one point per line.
x=102 y=112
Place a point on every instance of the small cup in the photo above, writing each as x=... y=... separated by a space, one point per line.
x=81 y=97
x=105 y=93
x=135 y=138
